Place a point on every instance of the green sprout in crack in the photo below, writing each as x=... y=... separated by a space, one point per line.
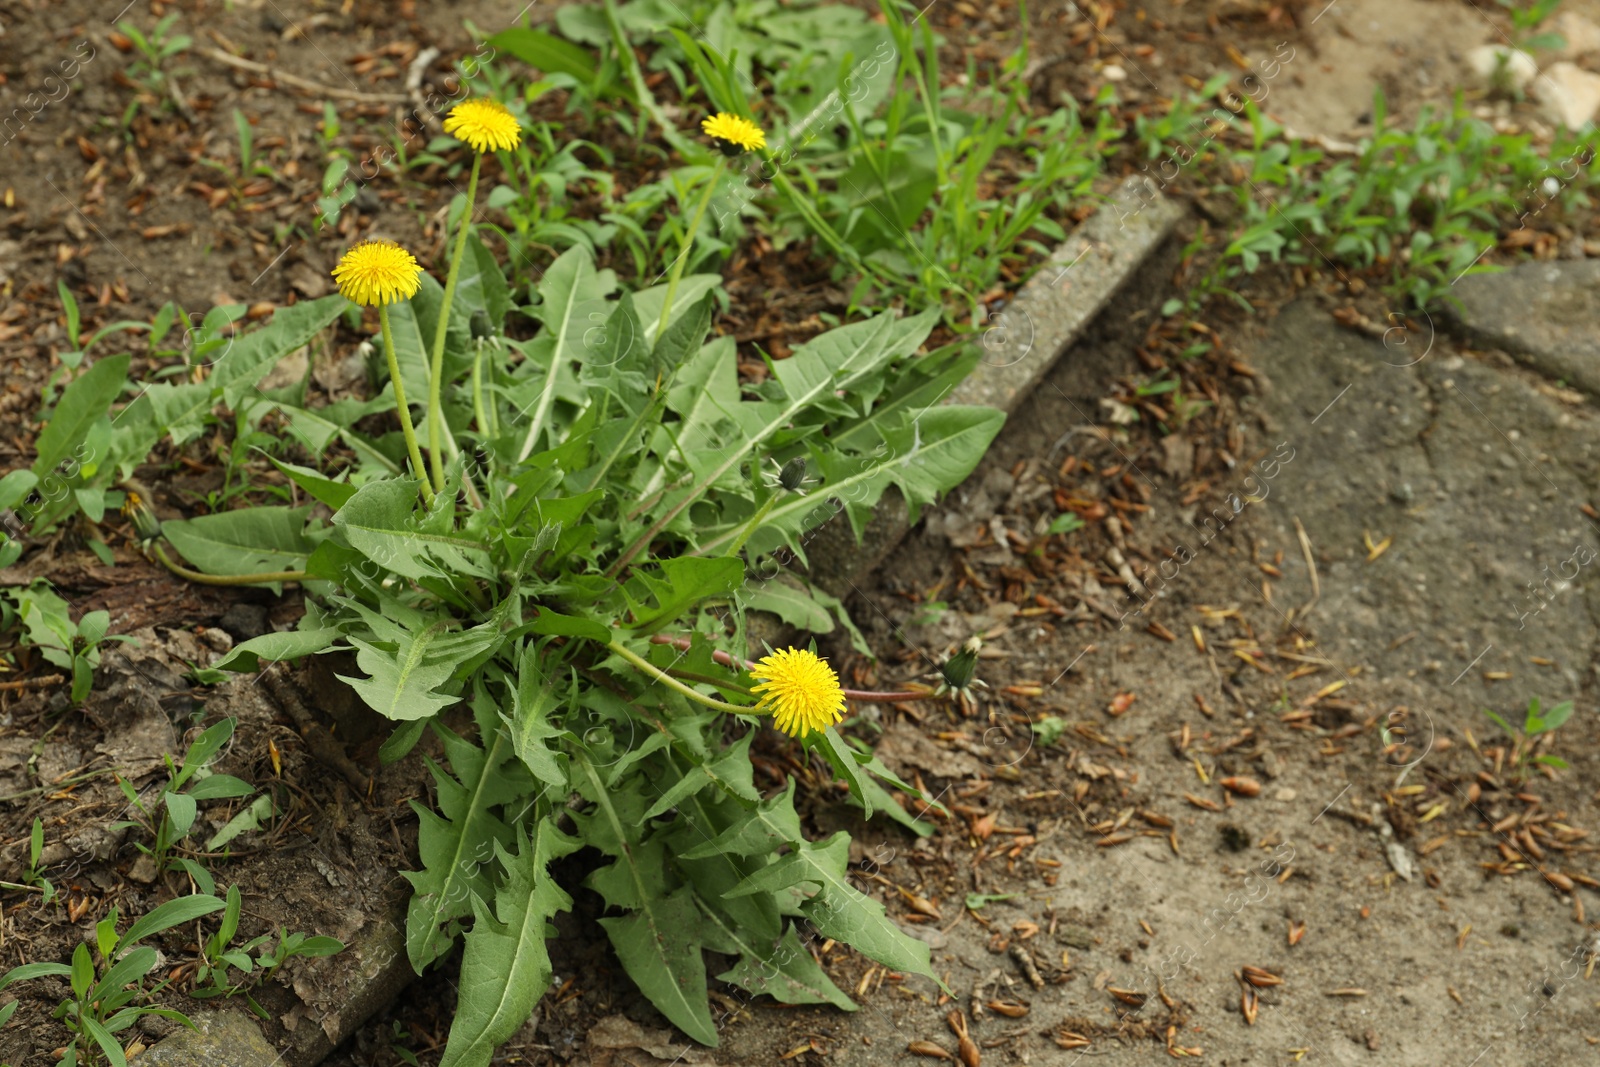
x=1537 y=730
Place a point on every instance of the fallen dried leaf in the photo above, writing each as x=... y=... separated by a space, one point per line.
x=920 y=904
x=1128 y=996
x=969 y=1051
x=929 y=1049
x=1559 y=880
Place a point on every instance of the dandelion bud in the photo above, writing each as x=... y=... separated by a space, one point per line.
x=959 y=669
x=482 y=326
x=793 y=475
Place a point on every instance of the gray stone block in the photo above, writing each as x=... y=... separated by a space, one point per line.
x=229 y=1037
x=1545 y=314
x=1021 y=343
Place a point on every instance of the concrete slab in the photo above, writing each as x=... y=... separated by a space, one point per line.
x=1021 y=343
x=1544 y=314
x=229 y=1037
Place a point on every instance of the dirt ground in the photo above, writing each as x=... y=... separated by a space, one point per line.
x=1134 y=906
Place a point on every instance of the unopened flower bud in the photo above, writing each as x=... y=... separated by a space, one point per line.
x=793 y=475
x=959 y=669
x=482 y=327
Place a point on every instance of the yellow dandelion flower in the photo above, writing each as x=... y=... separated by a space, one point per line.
x=484 y=124
x=800 y=690
x=374 y=273
x=733 y=134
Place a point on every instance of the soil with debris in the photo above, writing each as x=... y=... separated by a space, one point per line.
x=1229 y=789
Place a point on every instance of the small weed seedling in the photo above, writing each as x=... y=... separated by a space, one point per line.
x=1525 y=23
x=47 y=625
x=108 y=998
x=34 y=877
x=149 y=69
x=1537 y=722
x=219 y=958
x=190 y=783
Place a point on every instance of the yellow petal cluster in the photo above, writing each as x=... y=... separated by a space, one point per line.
x=733 y=134
x=374 y=273
x=484 y=124
x=800 y=690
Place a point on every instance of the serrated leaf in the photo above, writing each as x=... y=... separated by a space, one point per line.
x=455 y=845
x=761 y=831
x=923 y=457
x=533 y=702
x=692 y=289
x=378 y=522
x=660 y=951
x=180 y=409
x=659 y=943
x=316 y=429
x=254 y=353
x=790 y=976
x=326 y=490
x=569 y=289
x=839 y=910
x=704 y=393
x=839 y=756
x=412 y=324
x=789 y=600
x=404 y=683
x=505 y=966
x=685 y=335
x=246 y=656
x=479 y=284
x=684 y=581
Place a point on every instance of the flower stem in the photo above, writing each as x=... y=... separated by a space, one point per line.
x=672 y=683
x=750 y=527
x=485 y=427
x=436 y=371
x=227 y=579
x=401 y=407
x=688 y=245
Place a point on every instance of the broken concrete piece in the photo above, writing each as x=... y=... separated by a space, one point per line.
x=1020 y=342
x=221 y=1037
x=1568 y=94
x=1541 y=313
